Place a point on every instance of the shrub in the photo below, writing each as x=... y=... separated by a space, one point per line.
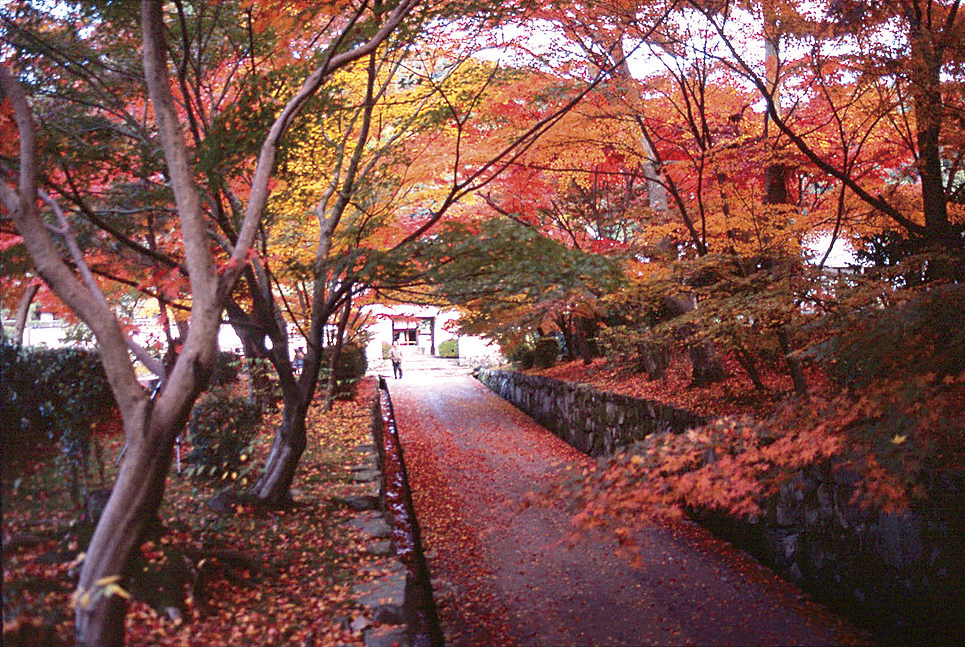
x=522 y=357
x=221 y=429
x=52 y=397
x=545 y=352
x=449 y=348
x=226 y=369
x=263 y=384
x=620 y=343
x=350 y=368
x=925 y=335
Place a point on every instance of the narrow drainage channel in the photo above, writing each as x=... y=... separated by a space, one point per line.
x=419 y=608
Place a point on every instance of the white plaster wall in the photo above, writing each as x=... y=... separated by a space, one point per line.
x=380 y=331
x=48 y=335
x=478 y=351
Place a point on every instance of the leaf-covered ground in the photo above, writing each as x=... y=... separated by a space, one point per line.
x=733 y=396
x=887 y=431
x=263 y=577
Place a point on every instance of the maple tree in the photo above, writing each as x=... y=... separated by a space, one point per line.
x=842 y=150
x=831 y=133
x=512 y=283
x=652 y=180
x=152 y=420
x=352 y=208
x=904 y=77
x=180 y=269
x=421 y=127
x=246 y=574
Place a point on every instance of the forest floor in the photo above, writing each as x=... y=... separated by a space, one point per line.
x=735 y=395
x=269 y=577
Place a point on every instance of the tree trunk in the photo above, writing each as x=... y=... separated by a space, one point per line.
x=653 y=360
x=332 y=381
x=23 y=309
x=259 y=376
x=656 y=191
x=747 y=363
x=580 y=337
x=775 y=183
x=130 y=512
x=775 y=174
x=286 y=452
x=706 y=367
x=793 y=363
x=252 y=330
x=564 y=326
x=925 y=72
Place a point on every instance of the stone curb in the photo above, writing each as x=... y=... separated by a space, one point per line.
x=381 y=599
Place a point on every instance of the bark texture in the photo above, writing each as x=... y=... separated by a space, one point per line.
x=794 y=366
x=705 y=365
x=286 y=453
x=130 y=511
x=23 y=310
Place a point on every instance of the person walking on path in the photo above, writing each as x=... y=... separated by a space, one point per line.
x=395 y=356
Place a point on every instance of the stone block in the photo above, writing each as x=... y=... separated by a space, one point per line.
x=383 y=548
x=366 y=476
x=899 y=539
x=389 y=590
x=359 y=503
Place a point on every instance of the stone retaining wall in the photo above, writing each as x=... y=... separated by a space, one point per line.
x=900 y=574
x=597 y=423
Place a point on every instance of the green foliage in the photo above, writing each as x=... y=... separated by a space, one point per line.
x=52 y=397
x=221 y=430
x=263 y=382
x=349 y=369
x=925 y=335
x=620 y=344
x=449 y=348
x=226 y=369
x=521 y=355
x=222 y=426
x=546 y=351
x=386 y=347
x=510 y=276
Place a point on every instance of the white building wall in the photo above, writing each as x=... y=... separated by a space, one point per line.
x=380 y=331
x=49 y=334
x=478 y=351
x=472 y=350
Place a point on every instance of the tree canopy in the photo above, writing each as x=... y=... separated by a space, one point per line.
x=639 y=179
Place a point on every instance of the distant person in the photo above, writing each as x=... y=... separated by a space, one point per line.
x=395 y=355
x=299 y=359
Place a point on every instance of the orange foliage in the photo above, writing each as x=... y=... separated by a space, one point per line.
x=737 y=461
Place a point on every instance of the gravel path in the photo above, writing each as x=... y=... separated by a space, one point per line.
x=504 y=574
